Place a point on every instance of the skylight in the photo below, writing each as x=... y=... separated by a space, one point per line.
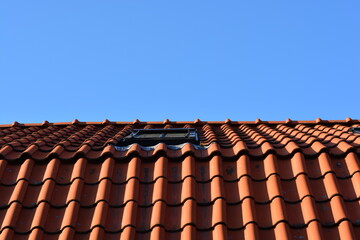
x=355 y=130
x=170 y=136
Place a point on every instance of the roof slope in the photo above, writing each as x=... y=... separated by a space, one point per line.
x=248 y=180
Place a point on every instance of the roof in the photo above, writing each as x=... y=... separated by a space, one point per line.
x=245 y=180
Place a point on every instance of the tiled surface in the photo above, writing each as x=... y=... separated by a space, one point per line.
x=255 y=180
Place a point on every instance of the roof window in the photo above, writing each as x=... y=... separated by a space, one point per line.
x=170 y=136
x=354 y=130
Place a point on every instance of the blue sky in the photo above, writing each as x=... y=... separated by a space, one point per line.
x=182 y=60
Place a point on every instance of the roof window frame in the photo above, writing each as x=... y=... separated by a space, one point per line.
x=170 y=136
x=354 y=130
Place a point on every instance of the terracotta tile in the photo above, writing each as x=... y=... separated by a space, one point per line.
x=19 y=191
x=46 y=191
x=147 y=172
x=39 y=219
x=240 y=234
x=356 y=231
x=8 y=233
x=290 y=167
x=5 y=150
x=54 y=219
x=114 y=219
x=263 y=149
x=180 y=192
x=63 y=173
x=300 y=214
x=84 y=219
x=332 y=233
x=349 y=188
x=251 y=231
x=68 y=154
x=120 y=173
x=6 y=193
x=269 y=214
x=37 y=174
x=122 y=235
x=20 y=236
x=12 y=214
x=352 y=211
x=130 y=214
x=3 y=212
x=257 y=168
x=235 y=216
x=38 y=234
x=117 y=194
x=312 y=231
x=103 y=190
x=88 y=194
x=146 y=194
x=127 y=233
x=203 y=235
x=230 y=171
x=70 y=218
x=159 y=191
x=24 y=221
x=92 y=172
x=100 y=214
x=158 y=214
x=188 y=232
x=143 y=218
x=169 y=235
x=213 y=149
x=238 y=191
x=264 y=191
x=175 y=169
x=220 y=232
x=82 y=236
x=347 y=166
x=267 y=234
x=10 y=174
x=59 y=195
x=202 y=171
x=132 y=190
x=289 y=189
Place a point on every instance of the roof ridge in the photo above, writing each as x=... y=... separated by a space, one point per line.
x=167 y=121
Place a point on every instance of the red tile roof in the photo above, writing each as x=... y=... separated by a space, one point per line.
x=247 y=180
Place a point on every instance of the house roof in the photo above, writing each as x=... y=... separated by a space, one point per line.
x=245 y=180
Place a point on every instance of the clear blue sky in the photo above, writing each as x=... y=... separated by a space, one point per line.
x=181 y=60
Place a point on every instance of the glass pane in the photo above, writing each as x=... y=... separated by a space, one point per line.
x=148 y=135
x=175 y=135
